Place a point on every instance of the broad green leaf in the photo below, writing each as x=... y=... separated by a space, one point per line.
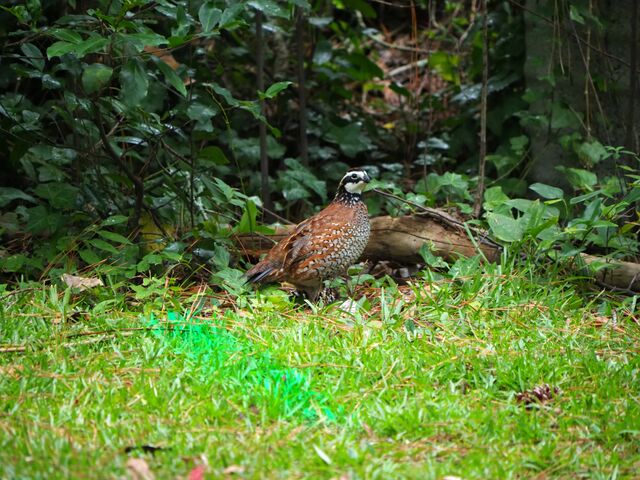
x=349 y=138
x=96 y=76
x=575 y=15
x=209 y=16
x=91 y=45
x=134 y=82
x=89 y=256
x=504 y=227
x=429 y=258
x=269 y=8
x=363 y=7
x=145 y=39
x=66 y=35
x=60 y=195
x=214 y=155
x=274 y=89
x=362 y=68
x=12 y=263
x=547 y=191
x=563 y=117
x=519 y=143
x=102 y=245
x=114 y=220
x=579 y=178
x=248 y=221
x=592 y=152
x=41 y=220
x=172 y=77
x=202 y=114
x=34 y=55
x=114 y=237
x=230 y=13
x=8 y=194
x=59 y=49
x=224 y=93
x=494 y=197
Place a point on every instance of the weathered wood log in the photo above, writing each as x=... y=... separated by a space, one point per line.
x=399 y=239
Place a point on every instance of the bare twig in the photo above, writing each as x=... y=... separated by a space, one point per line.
x=393 y=46
x=633 y=79
x=574 y=34
x=483 y=113
x=138 y=184
x=440 y=216
x=264 y=158
x=302 y=88
x=409 y=66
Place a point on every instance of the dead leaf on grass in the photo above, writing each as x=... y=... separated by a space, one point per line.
x=81 y=283
x=538 y=394
x=139 y=469
x=238 y=469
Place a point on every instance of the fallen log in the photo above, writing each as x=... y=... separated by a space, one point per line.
x=399 y=239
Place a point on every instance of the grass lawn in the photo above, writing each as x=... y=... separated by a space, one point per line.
x=428 y=380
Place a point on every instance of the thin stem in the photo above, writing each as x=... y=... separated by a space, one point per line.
x=483 y=112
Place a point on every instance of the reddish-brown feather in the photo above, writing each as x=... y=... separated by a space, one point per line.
x=302 y=257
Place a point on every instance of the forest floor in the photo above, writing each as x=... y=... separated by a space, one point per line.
x=493 y=372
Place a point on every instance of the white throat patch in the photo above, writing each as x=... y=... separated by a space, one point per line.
x=355 y=187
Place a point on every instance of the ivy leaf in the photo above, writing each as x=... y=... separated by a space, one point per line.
x=592 y=152
x=134 y=82
x=494 y=198
x=579 y=178
x=209 y=16
x=547 y=191
x=504 y=227
x=96 y=76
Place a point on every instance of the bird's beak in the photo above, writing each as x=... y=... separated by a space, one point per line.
x=367 y=178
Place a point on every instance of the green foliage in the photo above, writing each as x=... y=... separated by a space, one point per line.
x=149 y=113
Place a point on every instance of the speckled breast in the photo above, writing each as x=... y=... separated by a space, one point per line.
x=348 y=248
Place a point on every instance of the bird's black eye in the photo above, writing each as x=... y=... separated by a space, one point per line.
x=354 y=176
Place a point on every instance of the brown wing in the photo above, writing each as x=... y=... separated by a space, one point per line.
x=315 y=239
x=307 y=244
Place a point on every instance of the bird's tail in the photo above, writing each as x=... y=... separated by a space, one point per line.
x=259 y=272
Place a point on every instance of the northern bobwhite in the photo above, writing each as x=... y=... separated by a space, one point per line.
x=323 y=246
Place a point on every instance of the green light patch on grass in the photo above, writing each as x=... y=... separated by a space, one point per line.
x=240 y=365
